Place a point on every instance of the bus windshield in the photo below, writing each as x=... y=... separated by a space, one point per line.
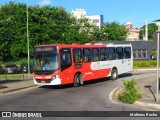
x=46 y=61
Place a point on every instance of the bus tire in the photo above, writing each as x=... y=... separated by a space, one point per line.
x=114 y=74
x=76 y=80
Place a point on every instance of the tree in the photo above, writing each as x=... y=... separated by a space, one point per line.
x=114 y=31
x=46 y=25
x=152 y=27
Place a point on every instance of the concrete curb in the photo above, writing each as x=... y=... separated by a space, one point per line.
x=145 y=69
x=146 y=104
x=16 y=89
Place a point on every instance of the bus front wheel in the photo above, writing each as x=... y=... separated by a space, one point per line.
x=114 y=74
x=78 y=80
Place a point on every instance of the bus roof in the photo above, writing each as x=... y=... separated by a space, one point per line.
x=94 y=45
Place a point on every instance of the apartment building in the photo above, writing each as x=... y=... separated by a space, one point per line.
x=96 y=20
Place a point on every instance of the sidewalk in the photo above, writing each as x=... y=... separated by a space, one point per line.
x=148 y=88
x=8 y=87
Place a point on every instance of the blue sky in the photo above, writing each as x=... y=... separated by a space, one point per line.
x=122 y=11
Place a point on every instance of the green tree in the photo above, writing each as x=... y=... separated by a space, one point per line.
x=114 y=31
x=152 y=27
x=46 y=25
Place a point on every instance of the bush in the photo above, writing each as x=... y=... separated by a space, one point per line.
x=130 y=93
x=149 y=63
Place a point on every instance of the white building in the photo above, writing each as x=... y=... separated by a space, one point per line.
x=97 y=20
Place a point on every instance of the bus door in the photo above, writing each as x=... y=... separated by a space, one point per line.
x=88 y=72
x=66 y=63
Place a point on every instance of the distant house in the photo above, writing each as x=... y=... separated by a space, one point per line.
x=133 y=34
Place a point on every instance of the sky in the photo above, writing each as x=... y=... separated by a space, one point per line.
x=121 y=11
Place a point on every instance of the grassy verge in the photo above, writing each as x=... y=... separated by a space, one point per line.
x=15 y=76
x=148 y=63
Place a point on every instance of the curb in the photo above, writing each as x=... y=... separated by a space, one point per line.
x=16 y=89
x=136 y=70
x=146 y=104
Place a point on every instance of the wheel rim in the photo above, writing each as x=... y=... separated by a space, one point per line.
x=114 y=74
x=78 y=80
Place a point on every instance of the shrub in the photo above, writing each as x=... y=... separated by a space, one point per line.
x=130 y=93
x=149 y=63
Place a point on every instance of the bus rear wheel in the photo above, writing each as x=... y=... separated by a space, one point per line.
x=78 y=80
x=114 y=74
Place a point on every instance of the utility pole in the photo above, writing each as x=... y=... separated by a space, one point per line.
x=28 y=40
x=157 y=65
x=146 y=31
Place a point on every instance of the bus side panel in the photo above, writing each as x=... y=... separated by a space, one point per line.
x=65 y=76
x=87 y=72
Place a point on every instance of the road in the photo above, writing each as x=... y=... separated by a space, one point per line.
x=94 y=96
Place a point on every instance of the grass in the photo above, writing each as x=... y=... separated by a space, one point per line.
x=15 y=76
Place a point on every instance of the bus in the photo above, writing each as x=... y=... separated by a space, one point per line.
x=59 y=64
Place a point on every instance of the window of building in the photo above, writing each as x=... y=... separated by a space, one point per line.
x=140 y=54
x=127 y=52
x=111 y=53
x=77 y=55
x=95 y=20
x=119 y=51
x=86 y=55
x=103 y=54
x=95 y=54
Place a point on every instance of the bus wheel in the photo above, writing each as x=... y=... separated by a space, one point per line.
x=77 y=79
x=114 y=74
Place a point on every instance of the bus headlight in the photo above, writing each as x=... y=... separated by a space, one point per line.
x=56 y=76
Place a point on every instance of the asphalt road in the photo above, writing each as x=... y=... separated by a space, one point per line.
x=94 y=96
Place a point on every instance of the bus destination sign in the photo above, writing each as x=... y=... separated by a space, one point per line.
x=45 y=48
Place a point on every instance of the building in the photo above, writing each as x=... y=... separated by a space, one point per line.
x=142 y=50
x=96 y=20
x=133 y=34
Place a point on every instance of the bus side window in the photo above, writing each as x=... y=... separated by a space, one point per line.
x=127 y=52
x=95 y=54
x=77 y=55
x=86 y=55
x=111 y=53
x=119 y=52
x=103 y=54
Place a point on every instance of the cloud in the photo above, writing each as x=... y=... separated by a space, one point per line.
x=45 y=2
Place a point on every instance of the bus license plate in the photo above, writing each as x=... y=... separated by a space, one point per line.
x=43 y=81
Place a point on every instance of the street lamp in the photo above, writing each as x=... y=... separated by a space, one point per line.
x=28 y=39
x=158 y=24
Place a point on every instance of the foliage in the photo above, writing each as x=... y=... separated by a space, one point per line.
x=114 y=31
x=18 y=62
x=148 y=63
x=130 y=93
x=152 y=27
x=46 y=25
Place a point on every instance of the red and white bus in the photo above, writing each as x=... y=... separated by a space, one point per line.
x=58 y=64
